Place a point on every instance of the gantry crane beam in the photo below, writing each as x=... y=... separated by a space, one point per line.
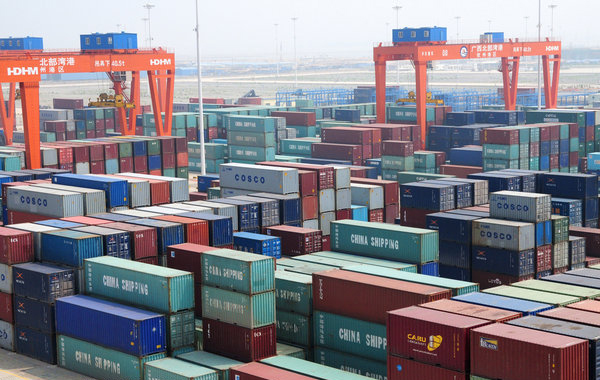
x=510 y=53
x=26 y=68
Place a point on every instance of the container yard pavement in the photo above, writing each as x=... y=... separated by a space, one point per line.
x=20 y=367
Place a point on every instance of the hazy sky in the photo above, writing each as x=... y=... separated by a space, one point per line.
x=336 y=28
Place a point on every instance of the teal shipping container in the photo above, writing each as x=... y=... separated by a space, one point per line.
x=253 y=124
x=241 y=309
x=385 y=241
x=368 y=260
x=349 y=335
x=307 y=368
x=175 y=369
x=300 y=147
x=293 y=292
x=180 y=329
x=99 y=362
x=251 y=139
x=424 y=160
x=70 y=247
x=219 y=364
x=456 y=286
x=503 y=152
x=398 y=163
x=164 y=290
x=250 y=153
x=351 y=363
x=239 y=271
x=407 y=113
x=294 y=328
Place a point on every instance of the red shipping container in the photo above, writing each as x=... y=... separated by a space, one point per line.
x=544 y=133
x=100 y=133
x=96 y=152
x=71 y=135
x=90 y=221
x=573 y=315
x=397 y=148
x=591 y=235
x=198 y=196
x=81 y=153
x=307 y=182
x=560 y=270
x=554 y=160
x=343 y=214
x=237 y=342
x=502 y=136
x=15 y=217
x=502 y=351
x=367 y=297
x=554 y=132
x=140 y=164
x=573 y=130
x=182 y=159
x=574 y=159
x=326 y=243
x=358 y=172
x=213 y=133
x=180 y=145
x=390 y=188
x=460 y=171
x=100 y=124
x=157 y=172
x=297 y=240
x=337 y=152
x=167 y=144
x=589 y=133
x=376 y=150
x=376 y=138
x=406 y=369
x=297 y=118
x=61 y=136
x=148 y=260
x=366 y=152
x=111 y=150
x=109 y=123
x=55 y=126
x=310 y=207
x=97 y=167
x=414 y=217
x=6 y=307
x=325 y=173
x=376 y=215
x=471 y=310
x=391 y=212
x=259 y=371
x=347 y=135
x=440 y=157
x=67 y=104
x=68 y=167
x=534 y=149
x=139 y=131
x=191 y=134
x=196 y=230
x=488 y=280
x=431 y=336
x=586 y=305
x=389 y=131
x=168 y=161
x=188 y=257
x=141 y=238
x=15 y=246
x=126 y=164
x=254 y=100
x=543 y=258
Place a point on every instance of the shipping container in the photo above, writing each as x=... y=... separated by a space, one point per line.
x=471 y=310
x=237 y=342
x=290 y=206
x=525 y=207
x=220 y=364
x=513 y=304
x=532 y=295
x=407 y=369
x=179 y=191
x=293 y=292
x=585 y=317
x=70 y=247
x=133 y=331
x=565 y=289
x=246 y=311
x=42 y=201
x=187 y=257
x=293 y=351
x=496 y=260
x=142 y=239
x=566 y=278
x=367 y=260
x=94 y=201
x=100 y=362
x=238 y=271
x=294 y=328
x=220 y=228
x=345 y=293
x=6 y=307
x=174 y=369
x=587 y=305
x=220 y=209
x=259 y=371
x=115 y=242
x=35 y=344
x=495 y=233
x=42 y=281
x=168 y=233
x=162 y=289
x=195 y=230
x=257 y=243
x=116 y=189
x=296 y=240
x=307 y=368
x=569 y=185
x=34 y=314
x=259 y=178
x=268 y=209
x=7 y=335
x=512 y=352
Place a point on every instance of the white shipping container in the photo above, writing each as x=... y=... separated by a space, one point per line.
x=560 y=255
x=137 y=213
x=326 y=200
x=370 y=196
x=341 y=177
x=506 y=234
x=343 y=199
x=311 y=223
x=6 y=283
x=94 y=201
x=48 y=202
x=269 y=179
x=7 y=334
x=325 y=220
x=525 y=207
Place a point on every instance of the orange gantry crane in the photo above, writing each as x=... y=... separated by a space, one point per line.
x=510 y=53
x=27 y=67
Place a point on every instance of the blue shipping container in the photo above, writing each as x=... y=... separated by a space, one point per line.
x=220 y=228
x=34 y=314
x=205 y=180
x=572 y=208
x=116 y=189
x=570 y=185
x=349 y=115
x=257 y=243
x=460 y=118
x=70 y=247
x=127 y=329
x=498 y=181
x=289 y=206
x=495 y=260
x=42 y=281
x=427 y=196
x=114 y=217
x=513 y=304
x=451 y=227
x=168 y=233
x=455 y=273
x=35 y=344
x=431 y=268
x=455 y=254
x=108 y=41
x=248 y=213
x=22 y=43
x=115 y=242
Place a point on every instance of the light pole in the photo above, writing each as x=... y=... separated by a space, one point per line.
x=457 y=20
x=552 y=6
x=387 y=28
x=526 y=19
x=489 y=25
x=539 y=78
x=145 y=20
x=277 y=48
x=119 y=27
x=295 y=56
x=397 y=9
x=149 y=6
x=200 y=104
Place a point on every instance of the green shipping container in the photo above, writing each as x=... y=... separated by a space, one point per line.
x=241 y=309
x=351 y=363
x=255 y=124
x=125 y=149
x=294 y=328
x=458 y=287
x=251 y=153
x=311 y=369
x=219 y=364
x=503 y=152
x=385 y=241
x=532 y=295
x=183 y=172
x=554 y=287
x=349 y=335
x=251 y=139
x=99 y=362
x=389 y=175
x=560 y=228
x=398 y=163
x=109 y=113
x=424 y=160
x=99 y=113
x=148 y=286
x=288 y=350
x=174 y=369
x=90 y=125
x=212 y=166
x=180 y=329
x=497 y=164
x=51 y=136
x=408 y=113
x=281 y=158
x=169 y=172
x=368 y=260
x=554 y=116
x=300 y=147
x=239 y=271
x=213 y=151
x=10 y=163
x=178 y=132
x=408 y=176
x=293 y=292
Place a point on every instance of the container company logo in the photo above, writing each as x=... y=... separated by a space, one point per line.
x=432 y=343
x=10 y=71
x=34 y=201
x=464 y=51
x=249 y=178
x=490 y=344
x=374 y=241
x=160 y=61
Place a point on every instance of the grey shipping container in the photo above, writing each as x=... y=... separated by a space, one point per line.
x=496 y=233
x=7 y=336
x=139 y=192
x=370 y=196
x=179 y=186
x=48 y=202
x=326 y=200
x=343 y=199
x=342 y=177
x=94 y=201
x=525 y=207
x=325 y=220
x=260 y=178
x=6 y=283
